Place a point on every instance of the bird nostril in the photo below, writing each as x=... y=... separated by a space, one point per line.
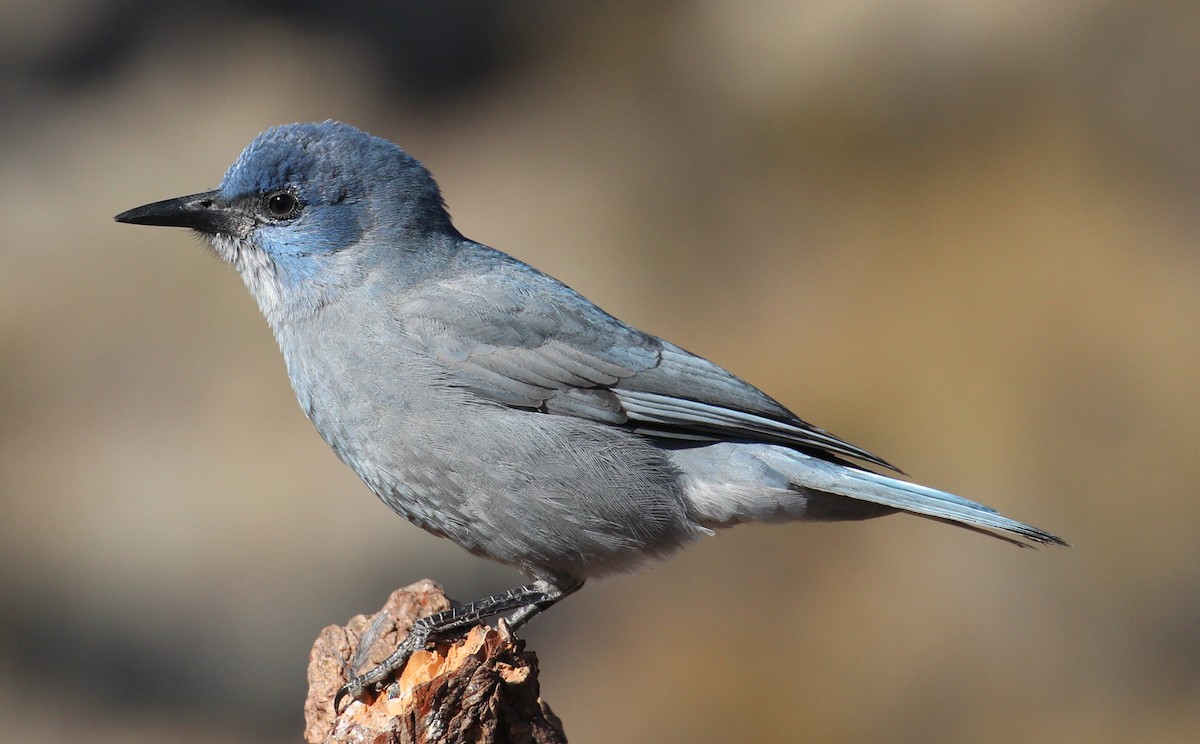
x=206 y=203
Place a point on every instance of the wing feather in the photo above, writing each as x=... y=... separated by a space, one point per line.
x=563 y=355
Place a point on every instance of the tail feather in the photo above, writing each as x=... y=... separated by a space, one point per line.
x=864 y=485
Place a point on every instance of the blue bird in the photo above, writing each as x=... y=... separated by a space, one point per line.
x=489 y=403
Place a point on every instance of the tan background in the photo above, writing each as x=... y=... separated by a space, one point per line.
x=961 y=234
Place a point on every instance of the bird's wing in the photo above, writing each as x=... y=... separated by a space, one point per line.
x=522 y=339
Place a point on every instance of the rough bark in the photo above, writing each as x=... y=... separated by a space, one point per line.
x=480 y=687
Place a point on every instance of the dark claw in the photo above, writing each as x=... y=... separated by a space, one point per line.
x=356 y=689
x=337 y=699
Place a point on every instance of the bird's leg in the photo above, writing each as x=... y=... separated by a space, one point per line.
x=527 y=600
x=557 y=592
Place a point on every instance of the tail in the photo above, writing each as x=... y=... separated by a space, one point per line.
x=863 y=485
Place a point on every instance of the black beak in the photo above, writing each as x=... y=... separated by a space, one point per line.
x=207 y=213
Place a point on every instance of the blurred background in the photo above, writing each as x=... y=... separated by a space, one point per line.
x=962 y=234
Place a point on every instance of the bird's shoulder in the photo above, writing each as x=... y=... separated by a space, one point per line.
x=517 y=335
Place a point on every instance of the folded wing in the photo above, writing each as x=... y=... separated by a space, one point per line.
x=520 y=338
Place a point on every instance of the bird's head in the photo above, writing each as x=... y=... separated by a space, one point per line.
x=307 y=207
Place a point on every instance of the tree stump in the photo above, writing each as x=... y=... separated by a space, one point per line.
x=481 y=687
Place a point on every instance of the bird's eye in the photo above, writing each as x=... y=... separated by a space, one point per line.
x=281 y=205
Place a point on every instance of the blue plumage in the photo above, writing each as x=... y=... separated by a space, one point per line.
x=493 y=405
